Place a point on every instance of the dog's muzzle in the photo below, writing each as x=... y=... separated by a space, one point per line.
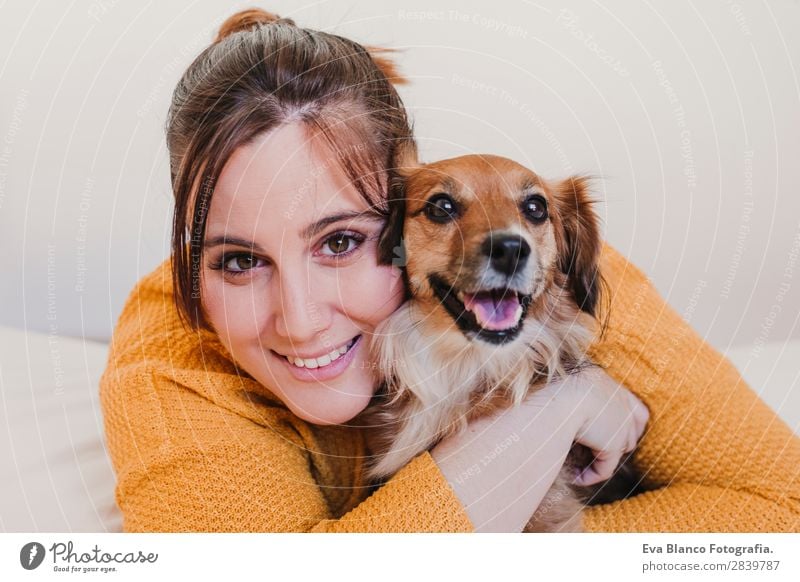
x=493 y=304
x=494 y=315
x=507 y=254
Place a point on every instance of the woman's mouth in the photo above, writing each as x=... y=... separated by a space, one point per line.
x=324 y=360
x=325 y=367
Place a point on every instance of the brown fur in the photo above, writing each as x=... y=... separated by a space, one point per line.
x=435 y=378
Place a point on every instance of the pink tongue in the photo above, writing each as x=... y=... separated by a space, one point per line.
x=491 y=311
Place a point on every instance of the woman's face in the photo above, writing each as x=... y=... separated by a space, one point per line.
x=291 y=271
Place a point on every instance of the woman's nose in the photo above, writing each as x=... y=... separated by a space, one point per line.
x=300 y=315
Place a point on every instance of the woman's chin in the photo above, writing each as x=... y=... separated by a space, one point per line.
x=335 y=402
x=341 y=411
x=327 y=405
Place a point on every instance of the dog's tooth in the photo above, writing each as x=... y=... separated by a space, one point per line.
x=519 y=312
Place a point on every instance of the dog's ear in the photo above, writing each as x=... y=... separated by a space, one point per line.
x=580 y=242
x=391 y=250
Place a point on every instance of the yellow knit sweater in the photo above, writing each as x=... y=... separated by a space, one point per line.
x=198 y=447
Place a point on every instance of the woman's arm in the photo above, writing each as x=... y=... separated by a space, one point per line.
x=502 y=466
x=185 y=463
x=718 y=457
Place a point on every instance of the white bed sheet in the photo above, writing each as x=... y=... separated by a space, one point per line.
x=56 y=472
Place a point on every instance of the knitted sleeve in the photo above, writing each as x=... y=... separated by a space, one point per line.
x=716 y=456
x=185 y=464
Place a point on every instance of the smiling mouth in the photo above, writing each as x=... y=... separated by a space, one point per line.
x=324 y=360
x=492 y=315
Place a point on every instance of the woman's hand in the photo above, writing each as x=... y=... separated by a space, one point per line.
x=502 y=466
x=612 y=421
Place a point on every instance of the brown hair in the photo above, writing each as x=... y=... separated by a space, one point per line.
x=263 y=71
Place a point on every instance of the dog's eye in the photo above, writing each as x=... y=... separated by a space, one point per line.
x=441 y=208
x=535 y=208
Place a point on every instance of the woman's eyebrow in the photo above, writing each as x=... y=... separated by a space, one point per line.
x=232 y=241
x=313 y=228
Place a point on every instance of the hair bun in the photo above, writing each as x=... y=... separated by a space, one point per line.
x=248 y=20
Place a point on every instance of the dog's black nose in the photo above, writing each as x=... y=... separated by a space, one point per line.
x=506 y=253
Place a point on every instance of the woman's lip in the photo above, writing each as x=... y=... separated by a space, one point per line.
x=318 y=355
x=328 y=372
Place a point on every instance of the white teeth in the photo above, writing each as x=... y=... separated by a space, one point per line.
x=313 y=363
x=518 y=314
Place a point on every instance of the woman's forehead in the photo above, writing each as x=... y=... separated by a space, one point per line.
x=281 y=178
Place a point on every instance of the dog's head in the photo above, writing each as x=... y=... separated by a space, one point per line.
x=482 y=238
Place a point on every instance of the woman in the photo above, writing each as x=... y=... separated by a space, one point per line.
x=236 y=366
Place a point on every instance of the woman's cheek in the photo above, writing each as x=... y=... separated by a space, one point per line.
x=235 y=310
x=370 y=293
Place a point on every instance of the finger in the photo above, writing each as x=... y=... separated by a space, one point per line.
x=636 y=435
x=630 y=443
x=640 y=412
x=588 y=477
x=641 y=415
x=600 y=470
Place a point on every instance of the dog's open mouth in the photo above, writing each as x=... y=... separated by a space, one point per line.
x=494 y=315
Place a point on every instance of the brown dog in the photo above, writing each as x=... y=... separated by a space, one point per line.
x=502 y=272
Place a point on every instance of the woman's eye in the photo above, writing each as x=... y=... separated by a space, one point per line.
x=239 y=264
x=243 y=263
x=339 y=244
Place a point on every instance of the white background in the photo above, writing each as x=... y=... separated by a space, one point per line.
x=561 y=86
